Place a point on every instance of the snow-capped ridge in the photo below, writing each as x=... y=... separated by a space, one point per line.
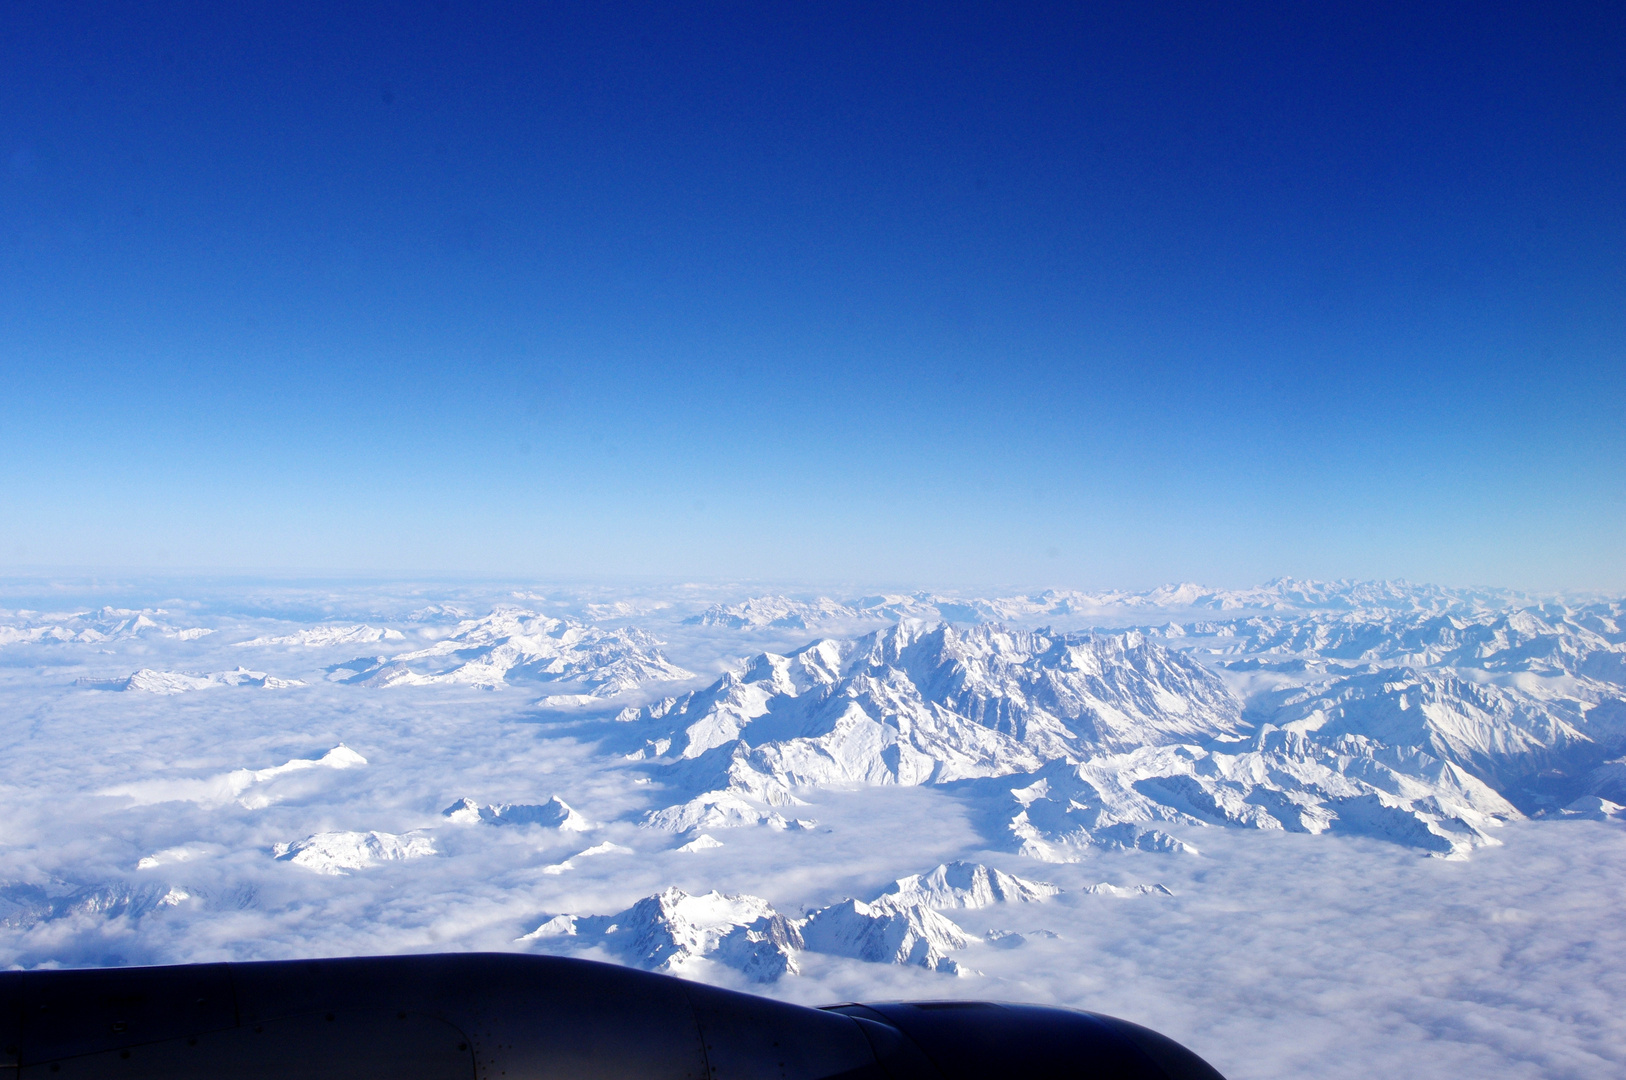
x=1115 y=801
x=703 y=842
x=1595 y=808
x=323 y=637
x=1282 y=595
x=555 y=814
x=1126 y=891
x=146 y=680
x=1155 y=742
x=512 y=643
x=966 y=885
x=338 y=853
x=886 y=930
x=917 y=704
x=606 y=848
x=673 y=931
x=24 y=905
x=1011 y=939
x=99 y=627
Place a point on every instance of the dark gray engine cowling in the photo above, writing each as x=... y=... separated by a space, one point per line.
x=498 y=1016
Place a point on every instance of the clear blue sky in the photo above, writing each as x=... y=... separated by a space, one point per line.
x=886 y=293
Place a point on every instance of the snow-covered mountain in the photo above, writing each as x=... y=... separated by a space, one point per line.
x=783 y=612
x=553 y=814
x=1282 y=595
x=338 y=853
x=1126 y=892
x=1608 y=780
x=324 y=637
x=1585 y=642
x=98 y=627
x=24 y=906
x=179 y=682
x=515 y=644
x=1142 y=733
x=1496 y=731
x=917 y=704
x=1281 y=781
x=886 y=930
x=672 y=930
x=1525 y=699
x=1528 y=700
x=967 y=885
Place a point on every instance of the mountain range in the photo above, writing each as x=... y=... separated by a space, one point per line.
x=1280 y=595
x=673 y=930
x=1066 y=740
x=513 y=644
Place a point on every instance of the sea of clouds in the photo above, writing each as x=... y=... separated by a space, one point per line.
x=283 y=812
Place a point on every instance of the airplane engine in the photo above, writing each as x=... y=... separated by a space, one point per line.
x=498 y=1016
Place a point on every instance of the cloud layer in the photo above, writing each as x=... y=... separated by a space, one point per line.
x=148 y=829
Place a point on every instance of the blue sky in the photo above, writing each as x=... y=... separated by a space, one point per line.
x=923 y=294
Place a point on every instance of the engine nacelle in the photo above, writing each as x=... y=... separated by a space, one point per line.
x=499 y=1016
